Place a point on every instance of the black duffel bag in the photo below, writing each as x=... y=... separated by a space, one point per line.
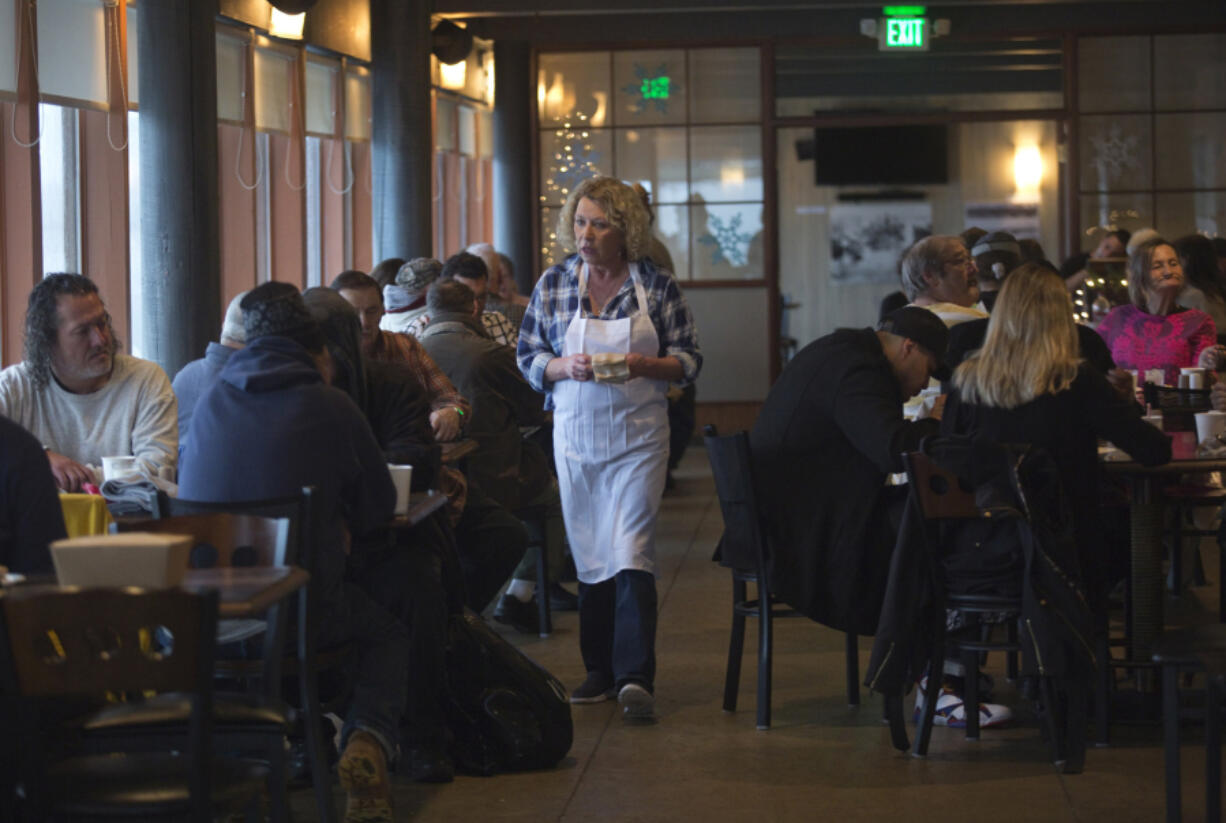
x=505 y=712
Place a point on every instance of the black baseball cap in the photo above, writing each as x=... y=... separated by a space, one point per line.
x=924 y=327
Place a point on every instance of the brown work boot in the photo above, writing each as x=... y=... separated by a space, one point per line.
x=363 y=771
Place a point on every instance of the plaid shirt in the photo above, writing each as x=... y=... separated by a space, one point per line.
x=497 y=326
x=556 y=299
x=395 y=347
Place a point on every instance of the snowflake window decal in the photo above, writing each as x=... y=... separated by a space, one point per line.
x=650 y=88
x=1114 y=153
x=731 y=245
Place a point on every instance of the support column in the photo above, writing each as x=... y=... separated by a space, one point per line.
x=180 y=248
x=514 y=209
x=402 y=137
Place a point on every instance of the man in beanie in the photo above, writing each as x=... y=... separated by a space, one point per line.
x=996 y=254
x=830 y=431
x=269 y=425
x=406 y=299
x=198 y=375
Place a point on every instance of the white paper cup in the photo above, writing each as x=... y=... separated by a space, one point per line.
x=1155 y=376
x=1195 y=375
x=122 y=467
x=1209 y=425
x=402 y=477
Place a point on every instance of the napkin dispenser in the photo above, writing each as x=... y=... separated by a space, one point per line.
x=142 y=559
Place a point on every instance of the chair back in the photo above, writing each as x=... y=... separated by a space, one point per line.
x=73 y=641
x=224 y=539
x=941 y=494
x=742 y=547
x=299 y=510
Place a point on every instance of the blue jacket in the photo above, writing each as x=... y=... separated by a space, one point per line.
x=194 y=378
x=268 y=426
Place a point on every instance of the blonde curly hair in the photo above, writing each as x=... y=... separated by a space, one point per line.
x=621 y=204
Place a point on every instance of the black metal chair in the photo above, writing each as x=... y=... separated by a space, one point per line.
x=743 y=550
x=81 y=643
x=307 y=662
x=942 y=497
x=1182 y=651
x=533 y=518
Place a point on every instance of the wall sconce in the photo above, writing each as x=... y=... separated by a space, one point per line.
x=453 y=76
x=1027 y=168
x=286 y=26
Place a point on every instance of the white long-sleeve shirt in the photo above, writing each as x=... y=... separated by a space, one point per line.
x=135 y=413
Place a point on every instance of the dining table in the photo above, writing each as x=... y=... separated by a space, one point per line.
x=1146 y=517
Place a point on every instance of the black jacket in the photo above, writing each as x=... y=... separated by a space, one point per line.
x=1032 y=522
x=829 y=433
x=505 y=466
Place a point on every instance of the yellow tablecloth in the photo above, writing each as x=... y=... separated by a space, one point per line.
x=85 y=514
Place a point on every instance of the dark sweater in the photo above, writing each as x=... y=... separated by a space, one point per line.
x=829 y=433
x=1069 y=425
x=30 y=513
x=268 y=426
x=194 y=378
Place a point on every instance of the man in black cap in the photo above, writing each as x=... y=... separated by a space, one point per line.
x=996 y=254
x=829 y=434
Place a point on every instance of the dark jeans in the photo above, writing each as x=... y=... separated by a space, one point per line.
x=380 y=672
x=407 y=580
x=546 y=509
x=617 y=627
x=490 y=542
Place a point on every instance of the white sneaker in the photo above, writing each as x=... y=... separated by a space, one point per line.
x=950 y=710
x=637 y=703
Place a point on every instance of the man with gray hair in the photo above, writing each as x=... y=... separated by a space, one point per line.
x=198 y=375
x=939 y=274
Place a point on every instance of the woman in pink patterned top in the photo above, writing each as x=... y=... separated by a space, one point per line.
x=1154 y=332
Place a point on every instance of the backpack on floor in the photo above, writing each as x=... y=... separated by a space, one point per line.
x=505 y=712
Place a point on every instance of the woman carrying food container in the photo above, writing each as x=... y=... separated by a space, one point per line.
x=605 y=333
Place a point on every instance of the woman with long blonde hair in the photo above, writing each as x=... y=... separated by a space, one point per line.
x=1029 y=384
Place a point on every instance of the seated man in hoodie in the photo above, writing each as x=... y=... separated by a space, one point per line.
x=410 y=573
x=269 y=425
x=511 y=470
x=198 y=375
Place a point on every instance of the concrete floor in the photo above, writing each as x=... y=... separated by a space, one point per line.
x=821 y=760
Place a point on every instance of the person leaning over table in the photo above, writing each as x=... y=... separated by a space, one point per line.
x=1154 y=332
x=829 y=434
x=610 y=438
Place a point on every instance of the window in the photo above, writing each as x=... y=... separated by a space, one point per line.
x=59 y=161
x=685 y=124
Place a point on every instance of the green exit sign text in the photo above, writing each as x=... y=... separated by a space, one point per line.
x=655 y=88
x=905 y=34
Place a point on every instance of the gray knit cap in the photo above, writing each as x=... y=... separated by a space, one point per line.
x=232 y=327
x=416 y=275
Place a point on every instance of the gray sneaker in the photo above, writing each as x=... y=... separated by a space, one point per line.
x=596 y=688
x=637 y=703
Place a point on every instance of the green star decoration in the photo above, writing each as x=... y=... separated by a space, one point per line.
x=651 y=88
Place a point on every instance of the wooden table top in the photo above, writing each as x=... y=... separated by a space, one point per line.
x=421 y=506
x=247 y=591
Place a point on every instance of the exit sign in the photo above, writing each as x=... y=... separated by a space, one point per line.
x=904 y=34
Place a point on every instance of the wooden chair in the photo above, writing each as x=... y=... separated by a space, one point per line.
x=252 y=722
x=942 y=496
x=85 y=642
x=307 y=662
x=743 y=550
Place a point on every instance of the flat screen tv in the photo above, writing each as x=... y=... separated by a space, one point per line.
x=881 y=155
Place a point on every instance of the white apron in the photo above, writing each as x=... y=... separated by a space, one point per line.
x=610 y=443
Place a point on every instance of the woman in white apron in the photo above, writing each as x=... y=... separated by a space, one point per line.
x=610 y=432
